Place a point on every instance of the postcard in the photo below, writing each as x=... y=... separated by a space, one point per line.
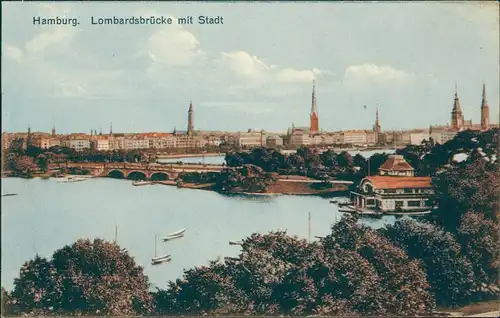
x=250 y=158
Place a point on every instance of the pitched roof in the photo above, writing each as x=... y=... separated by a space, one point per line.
x=392 y=182
x=397 y=163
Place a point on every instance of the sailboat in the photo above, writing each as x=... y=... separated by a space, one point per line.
x=157 y=260
x=169 y=238
x=174 y=235
x=177 y=233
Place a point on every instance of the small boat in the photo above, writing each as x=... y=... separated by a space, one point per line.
x=71 y=179
x=141 y=183
x=173 y=237
x=161 y=261
x=235 y=242
x=176 y=233
x=8 y=194
x=159 y=258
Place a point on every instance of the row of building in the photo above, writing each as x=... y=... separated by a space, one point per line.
x=299 y=137
x=296 y=136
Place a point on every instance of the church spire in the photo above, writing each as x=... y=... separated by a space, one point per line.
x=484 y=103
x=190 y=129
x=54 y=131
x=485 y=111
x=313 y=103
x=457 y=118
x=314 y=120
x=111 y=128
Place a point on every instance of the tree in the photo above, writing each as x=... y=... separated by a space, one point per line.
x=96 y=278
x=479 y=237
x=43 y=162
x=404 y=289
x=344 y=159
x=358 y=160
x=472 y=185
x=22 y=165
x=329 y=159
x=234 y=159
x=311 y=157
x=450 y=274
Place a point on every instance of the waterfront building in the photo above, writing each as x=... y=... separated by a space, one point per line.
x=395 y=189
x=274 y=141
x=323 y=139
x=417 y=137
x=45 y=142
x=442 y=134
x=300 y=137
x=79 y=144
x=314 y=118
x=355 y=137
x=251 y=139
x=371 y=137
x=186 y=141
x=102 y=144
x=136 y=142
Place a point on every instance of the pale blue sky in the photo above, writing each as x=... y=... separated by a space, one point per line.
x=254 y=71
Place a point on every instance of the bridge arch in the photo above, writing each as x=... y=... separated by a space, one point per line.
x=117 y=174
x=136 y=175
x=159 y=176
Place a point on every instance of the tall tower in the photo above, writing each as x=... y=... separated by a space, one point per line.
x=53 y=131
x=190 y=130
x=376 y=127
x=111 y=128
x=457 y=117
x=29 y=138
x=314 y=124
x=485 y=111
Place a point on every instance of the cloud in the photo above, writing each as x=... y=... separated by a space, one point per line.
x=44 y=40
x=374 y=73
x=12 y=52
x=255 y=70
x=174 y=47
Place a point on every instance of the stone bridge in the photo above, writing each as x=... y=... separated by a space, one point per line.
x=139 y=171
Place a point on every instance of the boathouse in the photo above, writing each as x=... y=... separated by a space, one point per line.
x=394 y=189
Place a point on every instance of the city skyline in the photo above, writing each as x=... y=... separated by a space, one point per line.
x=83 y=78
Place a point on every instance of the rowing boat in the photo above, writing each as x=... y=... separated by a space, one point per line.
x=173 y=237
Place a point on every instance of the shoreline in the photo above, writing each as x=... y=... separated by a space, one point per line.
x=182 y=156
x=209 y=187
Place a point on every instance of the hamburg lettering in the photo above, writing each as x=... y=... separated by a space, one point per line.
x=55 y=21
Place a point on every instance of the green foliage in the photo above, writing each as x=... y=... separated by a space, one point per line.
x=276 y=274
x=96 y=278
x=479 y=237
x=473 y=185
x=248 y=178
x=199 y=177
x=400 y=277
x=450 y=274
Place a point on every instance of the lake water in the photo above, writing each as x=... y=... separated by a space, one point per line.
x=46 y=215
x=220 y=159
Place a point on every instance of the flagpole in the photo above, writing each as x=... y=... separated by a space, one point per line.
x=309 y=227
